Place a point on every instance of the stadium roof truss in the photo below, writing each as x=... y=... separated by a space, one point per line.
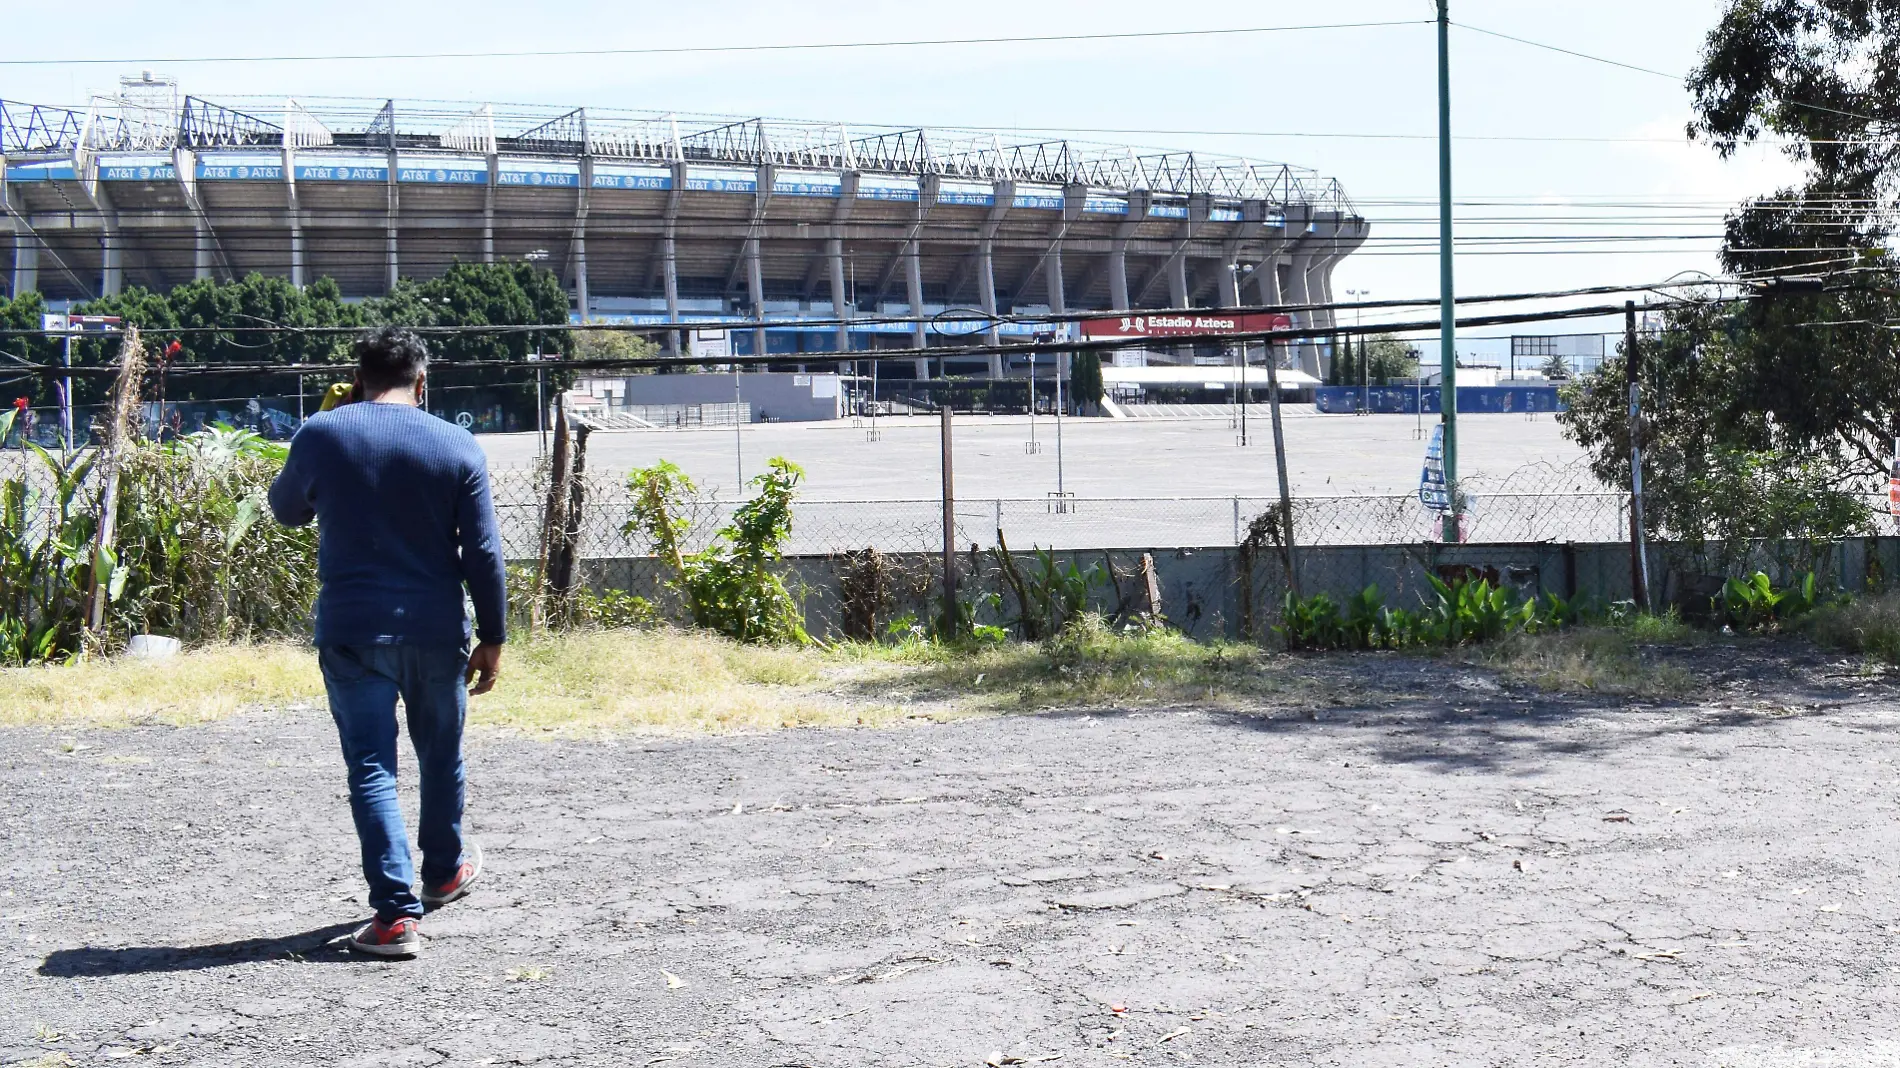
x=142 y=117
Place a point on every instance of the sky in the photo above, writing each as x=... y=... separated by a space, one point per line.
x=1357 y=103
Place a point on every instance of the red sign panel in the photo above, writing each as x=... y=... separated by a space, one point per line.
x=1176 y=324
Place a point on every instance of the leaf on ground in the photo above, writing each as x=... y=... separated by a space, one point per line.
x=1174 y=1034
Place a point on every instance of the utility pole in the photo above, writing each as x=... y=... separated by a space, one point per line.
x=949 y=627
x=1447 y=304
x=1242 y=349
x=541 y=402
x=1632 y=371
x=66 y=395
x=1059 y=486
x=1279 y=460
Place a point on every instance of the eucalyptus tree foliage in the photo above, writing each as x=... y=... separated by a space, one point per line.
x=1825 y=76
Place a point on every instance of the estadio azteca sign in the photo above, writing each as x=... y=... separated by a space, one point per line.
x=1170 y=324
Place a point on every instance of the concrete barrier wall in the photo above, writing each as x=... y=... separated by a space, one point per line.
x=1201 y=589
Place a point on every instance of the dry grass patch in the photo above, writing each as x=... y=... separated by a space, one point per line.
x=1088 y=666
x=1867 y=625
x=662 y=681
x=1605 y=660
x=194 y=687
x=665 y=681
x=691 y=682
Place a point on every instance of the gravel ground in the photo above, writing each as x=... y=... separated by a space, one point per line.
x=1493 y=878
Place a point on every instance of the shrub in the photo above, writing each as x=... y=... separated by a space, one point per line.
x=729 y=586
x=191 y=558
x=203 y=560
x=1758 y=604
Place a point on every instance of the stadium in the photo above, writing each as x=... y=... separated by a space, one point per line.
x=770 y=230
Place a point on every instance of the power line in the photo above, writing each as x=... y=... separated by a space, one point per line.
x=975 y=319
x=873 y=355
x=1678 y=79
x=705 y=49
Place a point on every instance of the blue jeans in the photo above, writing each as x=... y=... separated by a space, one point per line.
x=363 y=682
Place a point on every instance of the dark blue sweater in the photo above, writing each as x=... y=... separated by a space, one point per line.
x=404 y=519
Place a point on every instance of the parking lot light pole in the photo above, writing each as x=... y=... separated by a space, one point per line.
x=1447 y=303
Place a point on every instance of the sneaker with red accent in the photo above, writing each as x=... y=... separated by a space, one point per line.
x=400 y=938
x=458 y=885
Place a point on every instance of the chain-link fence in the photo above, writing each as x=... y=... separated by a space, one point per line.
x=828 y=527
x=1207 y=549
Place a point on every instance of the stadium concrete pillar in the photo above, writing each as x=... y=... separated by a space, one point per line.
x=1299 y=233
x=577 y=246
x=1133 y=216
x=392 y=216
x=671 y=280
x=914 y=293
x=204 y=242
x=1052 y=281
x=755 y=293
x=1058 y=299
x=1351 y=232
x=927 y=188
x=1177 y=283
x=1002 y=198
x=26 y=262
x=201 y=251
x=488 y=208
x=293 y=216
x=1309 y=257
x=834 y=256
x=581 y=295
x=1118 y=279
x=754 y=268
x=111 y=262
x=986 y=280
x=669 y=257
x=1266 y=273
x=111 y=246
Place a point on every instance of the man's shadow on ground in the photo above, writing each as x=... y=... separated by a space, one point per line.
x=319 y=945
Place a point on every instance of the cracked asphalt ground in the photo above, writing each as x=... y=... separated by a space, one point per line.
x=1489 y=879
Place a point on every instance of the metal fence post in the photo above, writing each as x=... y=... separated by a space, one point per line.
x=1236 y=520
x=949 y=527
x=999 y=515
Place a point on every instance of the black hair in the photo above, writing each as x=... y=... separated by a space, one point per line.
x=389 y=357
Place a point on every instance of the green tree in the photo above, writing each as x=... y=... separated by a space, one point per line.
x=1085 y=379
x=1805 y=377
x=230 y=322
x=23 y=313
x=614 y=345
x=1344 y=370
x=1825 y=76
x=483 y=294
x=486 y=294
x=1388 y=358
x=1720 y=464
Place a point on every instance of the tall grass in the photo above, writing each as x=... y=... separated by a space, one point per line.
x=1869 y=625
x=196 y=556
x=205 y=561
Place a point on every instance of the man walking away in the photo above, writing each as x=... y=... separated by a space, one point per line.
x=405 y=520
